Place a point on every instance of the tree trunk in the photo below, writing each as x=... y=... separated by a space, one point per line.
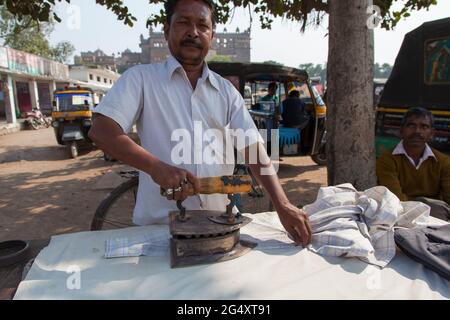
x=351 y=119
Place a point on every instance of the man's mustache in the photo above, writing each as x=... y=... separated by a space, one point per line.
x=418 y=136
x=191 y=43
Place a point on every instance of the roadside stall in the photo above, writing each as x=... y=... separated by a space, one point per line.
x=262 y=263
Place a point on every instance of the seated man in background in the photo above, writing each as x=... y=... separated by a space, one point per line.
x=272 y=94
x=293 y=113
x=413 y=170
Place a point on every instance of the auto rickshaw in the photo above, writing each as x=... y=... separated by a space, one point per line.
x=72 y=117
x=420 y=78
x=252 y=80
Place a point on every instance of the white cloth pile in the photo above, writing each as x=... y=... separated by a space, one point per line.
x=348 y=223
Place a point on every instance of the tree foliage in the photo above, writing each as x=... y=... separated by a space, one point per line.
x=42 y=10
x=306 y=12
x=315 y=70
x=31 y=36
x=320 y=70
x=219 y=58
x=62 y=51
x=382 y=70
x=273 y=62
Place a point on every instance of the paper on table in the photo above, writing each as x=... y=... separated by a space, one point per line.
x=151 y=245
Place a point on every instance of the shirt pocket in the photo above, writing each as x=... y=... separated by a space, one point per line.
x=213 y=109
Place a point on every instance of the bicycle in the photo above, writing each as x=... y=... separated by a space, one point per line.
x=116 y=210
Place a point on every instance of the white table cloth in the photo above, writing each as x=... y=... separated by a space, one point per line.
x=73 y=267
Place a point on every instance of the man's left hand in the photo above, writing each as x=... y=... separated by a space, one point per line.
x=296 y=223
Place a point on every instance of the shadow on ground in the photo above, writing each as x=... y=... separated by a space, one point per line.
x=43 y=153
x=296 y=182
x=39 y=205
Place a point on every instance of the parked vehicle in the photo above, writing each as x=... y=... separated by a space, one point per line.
x=36 y=120
x=252 y=80
x=72 y=117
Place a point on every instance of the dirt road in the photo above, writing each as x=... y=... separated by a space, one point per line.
x=43 y=193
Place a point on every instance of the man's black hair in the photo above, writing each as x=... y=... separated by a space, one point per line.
x=294 y=94
x=417 y=112
x=273 y=85
x=170 y=5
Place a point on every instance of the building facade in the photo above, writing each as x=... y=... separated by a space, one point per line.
x=27 y=82
x=100 y=79
x=96 y=58
x=94 y=76
x=234 y=45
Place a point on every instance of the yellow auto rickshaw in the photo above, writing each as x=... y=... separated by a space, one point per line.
x=253 y=79
x=72 y=117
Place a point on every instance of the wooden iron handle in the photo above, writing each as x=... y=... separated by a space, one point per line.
x=221 y=185
x=224 y=185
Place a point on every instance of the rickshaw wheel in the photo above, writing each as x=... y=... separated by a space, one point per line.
x=321 y=157
x=73 y=149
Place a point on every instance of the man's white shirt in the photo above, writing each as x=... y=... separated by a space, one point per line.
x=160 y=100
x=400 y=149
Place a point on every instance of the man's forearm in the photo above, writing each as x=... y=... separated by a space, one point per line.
x=271 y=183
x=109 y=137
x=266 y=175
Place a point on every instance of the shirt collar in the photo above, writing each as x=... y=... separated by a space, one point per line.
x=173 y=65
x=428 y=153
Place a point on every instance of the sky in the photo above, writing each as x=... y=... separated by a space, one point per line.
x=90 y=27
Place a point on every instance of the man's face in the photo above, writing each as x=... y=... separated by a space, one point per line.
x=272 y=90
x=190 y=32
x=417 y=132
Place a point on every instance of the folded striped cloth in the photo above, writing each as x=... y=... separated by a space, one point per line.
x=349 y=223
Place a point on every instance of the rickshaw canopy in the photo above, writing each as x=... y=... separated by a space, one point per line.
x=421 y=74
x=250 y=72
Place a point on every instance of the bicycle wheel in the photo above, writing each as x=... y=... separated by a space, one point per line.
x=116 y=210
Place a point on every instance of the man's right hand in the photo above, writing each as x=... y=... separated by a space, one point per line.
x=110 y=137
x=177 y=180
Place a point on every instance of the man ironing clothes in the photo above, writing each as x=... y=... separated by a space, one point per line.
x=173 y=98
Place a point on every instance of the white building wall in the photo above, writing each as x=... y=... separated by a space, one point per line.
x=94 y=76
x=80 y=75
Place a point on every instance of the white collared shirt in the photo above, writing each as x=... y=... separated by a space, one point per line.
x=160 y=99
x=400 y=149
